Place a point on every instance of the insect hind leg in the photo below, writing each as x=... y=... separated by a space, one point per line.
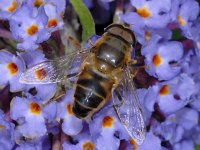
x=119 y=98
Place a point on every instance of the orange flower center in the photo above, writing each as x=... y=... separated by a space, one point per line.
x=40 y=74
x=180 y=20
x=157 y=60
x=132 y=142
x=38 y=3
x=52 y=23
x=147 y=35
x=34 y=108
x=33 y=29
x=12 y=68
x=69 y=109
x=143 y=12
x=107 y=121
x=13 y=6
x=164 y=90
x=88 y=146
x=2 y=126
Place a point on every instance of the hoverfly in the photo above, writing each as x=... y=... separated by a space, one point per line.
x=102 y=71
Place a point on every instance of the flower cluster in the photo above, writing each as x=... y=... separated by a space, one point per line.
x=38 y=116
x=168 y=32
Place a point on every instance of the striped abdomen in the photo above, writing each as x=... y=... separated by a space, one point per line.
x=91 y=92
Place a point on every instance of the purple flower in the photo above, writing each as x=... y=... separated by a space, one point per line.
x=145 y=34
x=186 y=144
x=171 y=95
x=84 y=141
x=8 y=8
x=185 y=16
x=196 y=135
x=188 y=118
x=60 y=5
x=42 y=92
x=105 y=128
x=6 y=133
x=31 y=116
x=31 y=30
x=36 y=144
x=152 y=14
x=55 y=21
x=174 y=128
x=151 y=142
x=160 y=56
x=11 y=67
x=70 y=125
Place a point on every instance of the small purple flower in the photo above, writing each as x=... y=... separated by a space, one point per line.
x=84 y=142
x=160 y=56
x=105 y=127
x=11 y=67
x=55 y=21
x=196 y=135
x=145 y=34
x=71 y=125
x=31 y=116
x=185 y=16
x=42 y=92
x=171 y=95
x=175 y=94
x=186 y=144
x=35 y=144
x=151 y=142
x=60 y=5
x=6 y=133
x=31 y=30
x=151 y=14
x=8 y=8
x=188 y=118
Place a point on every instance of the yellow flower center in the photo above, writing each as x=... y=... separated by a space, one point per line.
x=88 y=146
x=156 y=60
x=164 y=90
x=38 y=3
x=143 y=12
x=34 y=108
x=2 y=126
x=147 y=35
x=132 y=142
x=107 y=121
x=12 y=68
x=69 y=109
x=52 y=23
x=180 y=20
x=40 y=74
x=33 y=29
x=13 y=6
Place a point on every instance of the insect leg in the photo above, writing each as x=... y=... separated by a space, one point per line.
x=133 y=63
x=75 y=74
x=61 y=92
x=55 y=98
x=120 y=99
x=91 y=43
x=116 y=106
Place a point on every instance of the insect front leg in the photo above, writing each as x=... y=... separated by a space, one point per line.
x=134 y=67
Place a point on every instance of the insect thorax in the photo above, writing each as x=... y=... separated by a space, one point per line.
x=111 y=53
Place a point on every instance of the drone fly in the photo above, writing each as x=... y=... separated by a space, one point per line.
x=102 y=72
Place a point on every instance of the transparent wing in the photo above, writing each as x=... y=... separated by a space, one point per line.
x=55 y=70
x=129 y=112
